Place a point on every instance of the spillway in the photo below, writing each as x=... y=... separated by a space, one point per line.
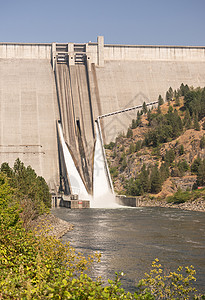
x=75 y=181
x=103 y=194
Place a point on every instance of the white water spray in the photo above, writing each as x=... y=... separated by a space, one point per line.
x=76 y=184
x=103 y=197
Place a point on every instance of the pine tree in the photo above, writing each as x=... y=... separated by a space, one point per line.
x=144 y=179
x=171 y=93
x=129 y=133
x=181 y=150
x=160 y=100
x=159 y=109
x=201 y=174
x=177 y=102
x=187 y=120
x=156 y=182
x=144 y=108
x=202 y=142
x=196 y=123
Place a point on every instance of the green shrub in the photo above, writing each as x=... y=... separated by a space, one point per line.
x=129 y=133
x=114 y=172
x=179 y=197
x=110 y=146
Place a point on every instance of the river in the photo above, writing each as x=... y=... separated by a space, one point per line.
x=129 y=239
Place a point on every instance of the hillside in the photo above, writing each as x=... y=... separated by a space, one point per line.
x=163 y=149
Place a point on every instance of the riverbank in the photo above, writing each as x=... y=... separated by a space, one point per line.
x=51 y=225
x=195 y=205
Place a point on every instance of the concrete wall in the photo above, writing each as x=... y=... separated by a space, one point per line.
x=25 y=51
x=137 y=53
x=28 y=112
x=127 y=201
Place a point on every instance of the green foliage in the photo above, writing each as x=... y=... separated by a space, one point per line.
x=114 y=172
x=187 y=120
x=156 y=181
x=110 y=146
x=196 y=123
x=144 y=108
x=27 y=185
x=137 y=122
x=138 y=145
x=179 y=197
x=177 y=102
x=160 y=100
x=133 y=187
x=169 y=156
x=169 y=94
x=194 y=101
x=164 y=171
x=148 y=180
x=202 y=142
x=9 y=208
x=201 y=174
x=129 y=133
x=181 y=150
x=132 y=148
x=171 y=285
x=183 y=90
x=164 y=128
x=195 y=166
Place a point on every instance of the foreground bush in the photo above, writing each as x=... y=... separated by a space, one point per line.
x=45 y=268
x=41 y=267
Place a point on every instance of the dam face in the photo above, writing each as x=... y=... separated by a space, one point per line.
x=42 y=85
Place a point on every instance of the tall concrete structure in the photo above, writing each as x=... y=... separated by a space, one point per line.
x=41 y=84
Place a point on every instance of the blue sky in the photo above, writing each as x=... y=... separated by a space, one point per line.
x=157 y=22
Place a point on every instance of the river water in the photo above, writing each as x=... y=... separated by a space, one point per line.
x=129 y=239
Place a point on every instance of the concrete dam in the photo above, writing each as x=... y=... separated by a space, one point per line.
x=51 y=96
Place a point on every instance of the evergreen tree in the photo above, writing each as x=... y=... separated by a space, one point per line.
x=159 y=109
x=160 y=100
x=184 y=89
x=156 y=182
x=201 y=174
x=138 y=145
x=164 y=171
x=144 y=179
x=132 y=148
x=195 y=166
x=196 y=123
x=171 y=93
x=149 y=116
x=181 y=150
x=177 y=102
x=144 y=108
x=167 y=97
x=129 y=133
x=187 y=120
x=169 y=156
x=202 y=142
x=134 y=124
x=7 y=170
